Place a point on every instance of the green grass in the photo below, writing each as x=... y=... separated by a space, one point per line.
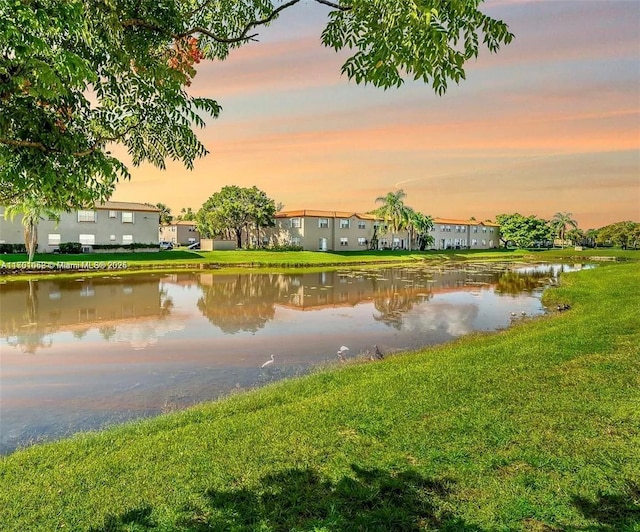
x=533 y=428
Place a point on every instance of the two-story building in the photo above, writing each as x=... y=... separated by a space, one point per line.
x=449 y=233
x=109 y=223
x=322 y=230
x=350 y=231
x=182 y=232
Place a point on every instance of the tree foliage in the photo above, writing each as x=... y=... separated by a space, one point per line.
x=393 y=211
x=559 y=224
x=624 y=234
x=77 y=76
x=235 y=209
x=523 y=231
x=186 y=214
x=165 y=214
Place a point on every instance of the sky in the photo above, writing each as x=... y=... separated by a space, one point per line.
x=551 y=123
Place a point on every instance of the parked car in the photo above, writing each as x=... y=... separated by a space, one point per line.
x=166 y=245
x=195 y=245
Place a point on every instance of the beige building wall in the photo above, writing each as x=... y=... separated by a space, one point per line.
x=181 y=232
x=323 y=230
x=449 y=233
x=114 y=223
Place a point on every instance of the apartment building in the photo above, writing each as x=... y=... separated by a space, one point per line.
x=112 y=222
x=322 y=230
x=449 y=233
x=182 y=233
x=350 y=231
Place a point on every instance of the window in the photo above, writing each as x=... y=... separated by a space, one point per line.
x=344 y=241
x=127 y=217
x=86 y=216
x=296 y=223
x=323 y=223
x=295 y=241
x=484 y=229
x=384 y=243
x=491 y=229
x=362 y=224
x=474 y=242
x=457 y=228
x=362 y=241
x=127 y=239
x=475 y=229
x=484 y=242
x=87 y=240
x=112 y=214
x=112 y=238
x=344 y=224
x=464 y=229
x=54 y=239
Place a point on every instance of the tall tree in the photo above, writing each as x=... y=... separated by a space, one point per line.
x=523 y=231
x=165 y=214
x=393 y=211
x=422 y=225
x=78 y=76
x=262 y=210
x=560 y=222
x=233 y=209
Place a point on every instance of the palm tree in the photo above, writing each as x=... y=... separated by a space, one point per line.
x=422 y=225
x=32 y=210
x=165 y=214
x=560 y=222
x=393 y=211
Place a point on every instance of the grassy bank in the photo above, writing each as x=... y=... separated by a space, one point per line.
x=534 y=428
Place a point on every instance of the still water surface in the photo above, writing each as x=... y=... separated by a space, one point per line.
x=81 y=354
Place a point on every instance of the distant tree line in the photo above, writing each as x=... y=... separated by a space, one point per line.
x=531 y=231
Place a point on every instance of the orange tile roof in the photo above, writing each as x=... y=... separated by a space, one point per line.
x=324 y=214
x=453 y=221
x=125 y=206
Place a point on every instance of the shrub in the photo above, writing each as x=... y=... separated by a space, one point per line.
x=285 y=247
x=72 y=248
x=13 y=248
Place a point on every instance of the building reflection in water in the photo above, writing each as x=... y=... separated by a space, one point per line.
x=30 y=314
x=135 y=308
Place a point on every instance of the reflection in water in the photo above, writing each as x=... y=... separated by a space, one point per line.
x=32 y=311
x=242 y=302
x=110 y=349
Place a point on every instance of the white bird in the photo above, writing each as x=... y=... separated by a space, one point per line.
x=343 y=349
x=268 y=362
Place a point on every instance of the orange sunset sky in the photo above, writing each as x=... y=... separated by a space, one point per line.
x=551 y=123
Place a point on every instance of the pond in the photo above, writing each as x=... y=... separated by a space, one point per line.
x=84 y=353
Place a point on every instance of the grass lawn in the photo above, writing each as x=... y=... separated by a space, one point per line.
x=533 y=428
